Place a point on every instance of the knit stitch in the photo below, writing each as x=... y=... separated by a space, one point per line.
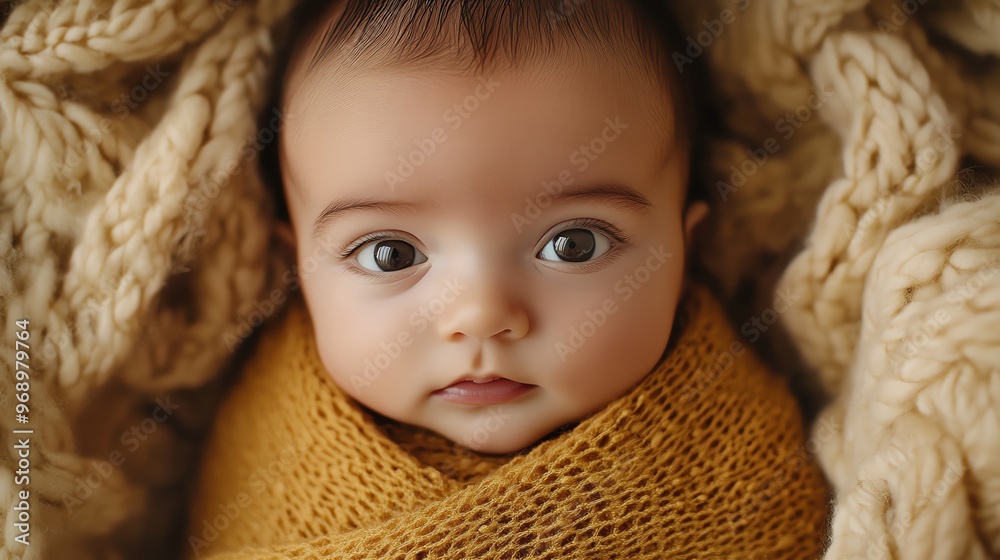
x=705 y=457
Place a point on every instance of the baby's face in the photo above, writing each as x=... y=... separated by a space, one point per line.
x=520 y=226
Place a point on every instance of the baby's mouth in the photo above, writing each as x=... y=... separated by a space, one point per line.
x=492 y=389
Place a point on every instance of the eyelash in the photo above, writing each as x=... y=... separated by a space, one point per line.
x=346 y=252
x=366 y=275
x=617 y=235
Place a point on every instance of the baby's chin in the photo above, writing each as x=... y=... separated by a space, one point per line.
x=511 y=438
x=499 y=430
x=499 y=443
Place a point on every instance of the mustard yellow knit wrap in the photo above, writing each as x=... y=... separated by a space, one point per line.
x=705 y=457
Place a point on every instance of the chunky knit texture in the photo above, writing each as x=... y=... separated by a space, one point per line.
x=895 y=264
x=134 y=236
x=704 y=457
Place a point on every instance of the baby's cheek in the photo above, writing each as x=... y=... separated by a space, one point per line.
x=343 y=352
x=364 y=362
x=617 y=354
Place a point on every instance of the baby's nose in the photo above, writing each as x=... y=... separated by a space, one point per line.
x=484 y=309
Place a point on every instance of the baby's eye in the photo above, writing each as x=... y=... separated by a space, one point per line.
x=575 y=245
x=389 y=255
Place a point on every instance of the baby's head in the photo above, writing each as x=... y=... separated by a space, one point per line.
x=487 y=191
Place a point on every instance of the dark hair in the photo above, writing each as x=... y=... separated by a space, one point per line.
x=421 y=32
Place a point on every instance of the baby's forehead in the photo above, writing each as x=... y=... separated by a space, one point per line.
x=469 y=38
x=335 y=41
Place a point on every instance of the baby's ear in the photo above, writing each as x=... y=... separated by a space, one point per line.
x=286 y=234
x=694 y=215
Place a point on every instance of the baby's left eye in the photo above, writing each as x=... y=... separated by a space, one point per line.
x=389 y=255
x=575 y=245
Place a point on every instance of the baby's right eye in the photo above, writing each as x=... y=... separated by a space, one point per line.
x=389 y=255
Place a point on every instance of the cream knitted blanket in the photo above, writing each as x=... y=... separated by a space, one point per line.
x=134 y=234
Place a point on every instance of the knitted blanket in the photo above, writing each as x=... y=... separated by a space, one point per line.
x=892 y=258
x=705 y=457
x=134 y=232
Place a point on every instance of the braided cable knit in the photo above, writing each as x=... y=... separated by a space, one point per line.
x=907 y=481
x=969 y=89
x=913 y=463
x=897 y=152
x=919 y=410
x=121 y=125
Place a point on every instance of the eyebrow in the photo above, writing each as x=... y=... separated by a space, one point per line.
x=345 y=206
x=615 y=194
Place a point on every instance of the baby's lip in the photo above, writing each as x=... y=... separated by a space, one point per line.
x=475 y=378
x=482 y=390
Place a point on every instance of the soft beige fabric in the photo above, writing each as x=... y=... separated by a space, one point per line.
x=134 y=245
x=897 y=296
x=131 y=242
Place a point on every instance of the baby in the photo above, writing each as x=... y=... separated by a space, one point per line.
x=488 y=204
x=475 y=193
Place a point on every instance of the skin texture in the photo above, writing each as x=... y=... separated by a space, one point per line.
x=485 y=300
